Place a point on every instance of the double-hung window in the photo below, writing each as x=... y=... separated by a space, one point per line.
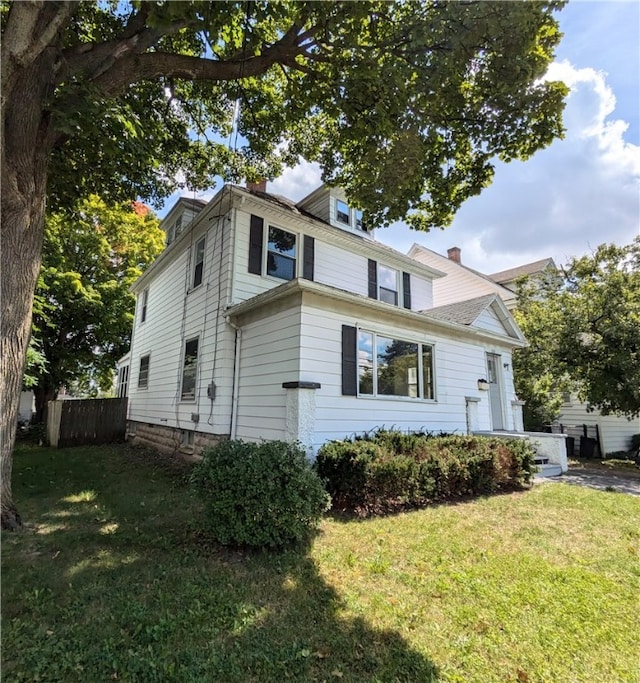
x=143 y=372
x=189 y=370
x=343 y=213
x=394 y=367
x=144 y=300
x=388 y=285
x=198 y=263
x=281 y=253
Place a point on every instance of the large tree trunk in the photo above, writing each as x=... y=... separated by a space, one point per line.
x=26 y=144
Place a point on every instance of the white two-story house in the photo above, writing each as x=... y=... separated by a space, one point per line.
x=269 y=319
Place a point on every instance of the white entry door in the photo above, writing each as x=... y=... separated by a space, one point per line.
x=494 y=376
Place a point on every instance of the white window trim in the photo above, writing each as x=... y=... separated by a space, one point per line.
x=265 y=253
x=184 y=354
x=390 y=397
x=398 y=289
x=144 y=305
x=146 y=385
x=194 y=264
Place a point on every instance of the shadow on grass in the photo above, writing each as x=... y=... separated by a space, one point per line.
x=113 y=581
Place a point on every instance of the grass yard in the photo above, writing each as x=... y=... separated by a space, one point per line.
x=112 y=580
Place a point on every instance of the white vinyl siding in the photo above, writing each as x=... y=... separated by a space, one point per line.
x=339 y=268
x=268 y=357
x=179 y=314
x=615 y=432
x=458 y=365
x=421 y=293
x=488 y=320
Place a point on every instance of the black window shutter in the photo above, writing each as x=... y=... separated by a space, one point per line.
x=255 y=245
x=308 y=258
x=349 y=365
x=406 y=290
x=373 y=279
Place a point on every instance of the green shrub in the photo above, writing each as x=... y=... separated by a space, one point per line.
x=260 y=495
x=387 y=470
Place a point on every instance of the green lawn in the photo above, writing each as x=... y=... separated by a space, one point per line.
x=112 y=580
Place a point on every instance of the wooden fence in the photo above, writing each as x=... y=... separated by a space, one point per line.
x=90 y=421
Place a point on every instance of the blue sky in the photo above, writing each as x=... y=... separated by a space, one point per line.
x=576 y=194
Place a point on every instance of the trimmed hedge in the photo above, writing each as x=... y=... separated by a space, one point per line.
x=390 y=471
x=259 y=495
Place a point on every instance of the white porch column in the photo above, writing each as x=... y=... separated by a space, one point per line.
x=473 y=421
x=300 y=419
x=516 y=411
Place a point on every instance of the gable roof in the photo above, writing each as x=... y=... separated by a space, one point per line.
x=469 y=311
x=462 y=312
x=526 y=269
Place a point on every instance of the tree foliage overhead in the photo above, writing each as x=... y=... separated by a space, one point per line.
x=583 y=327
x=83 y=310
x=404 y=104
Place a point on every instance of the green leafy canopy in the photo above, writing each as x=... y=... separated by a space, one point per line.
x=404 y=104
x=583 y=326
x=83 y=310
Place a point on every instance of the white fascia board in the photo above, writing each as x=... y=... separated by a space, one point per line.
x=262 y=303
x=505 y=317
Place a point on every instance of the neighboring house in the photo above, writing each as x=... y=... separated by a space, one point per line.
x=614 y=432
x=27 y=406
x=267 y=319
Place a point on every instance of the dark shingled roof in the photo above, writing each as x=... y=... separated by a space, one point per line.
x=519 y=271
x=461 y=312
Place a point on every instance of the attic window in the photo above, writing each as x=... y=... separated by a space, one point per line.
x=343 y=213
x=174 y=230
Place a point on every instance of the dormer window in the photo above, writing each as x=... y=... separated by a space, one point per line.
x=174 y=231
x=358 y=215
x=343 y=213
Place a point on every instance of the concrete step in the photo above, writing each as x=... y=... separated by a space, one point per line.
x=548 y=470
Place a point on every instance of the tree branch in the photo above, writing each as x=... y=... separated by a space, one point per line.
x=151 y=65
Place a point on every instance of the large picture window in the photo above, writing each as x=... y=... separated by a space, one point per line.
x=281 y=254
x=189 y=370
x=394 y=367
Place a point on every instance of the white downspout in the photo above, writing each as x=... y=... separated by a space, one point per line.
x=236 y=380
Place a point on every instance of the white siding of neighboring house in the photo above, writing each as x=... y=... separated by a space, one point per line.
x=615 y=432
x=27 y=406
x=459 y=284
x=268 y=357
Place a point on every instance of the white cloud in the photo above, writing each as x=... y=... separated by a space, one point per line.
x=296 y=183
x=567 y=199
